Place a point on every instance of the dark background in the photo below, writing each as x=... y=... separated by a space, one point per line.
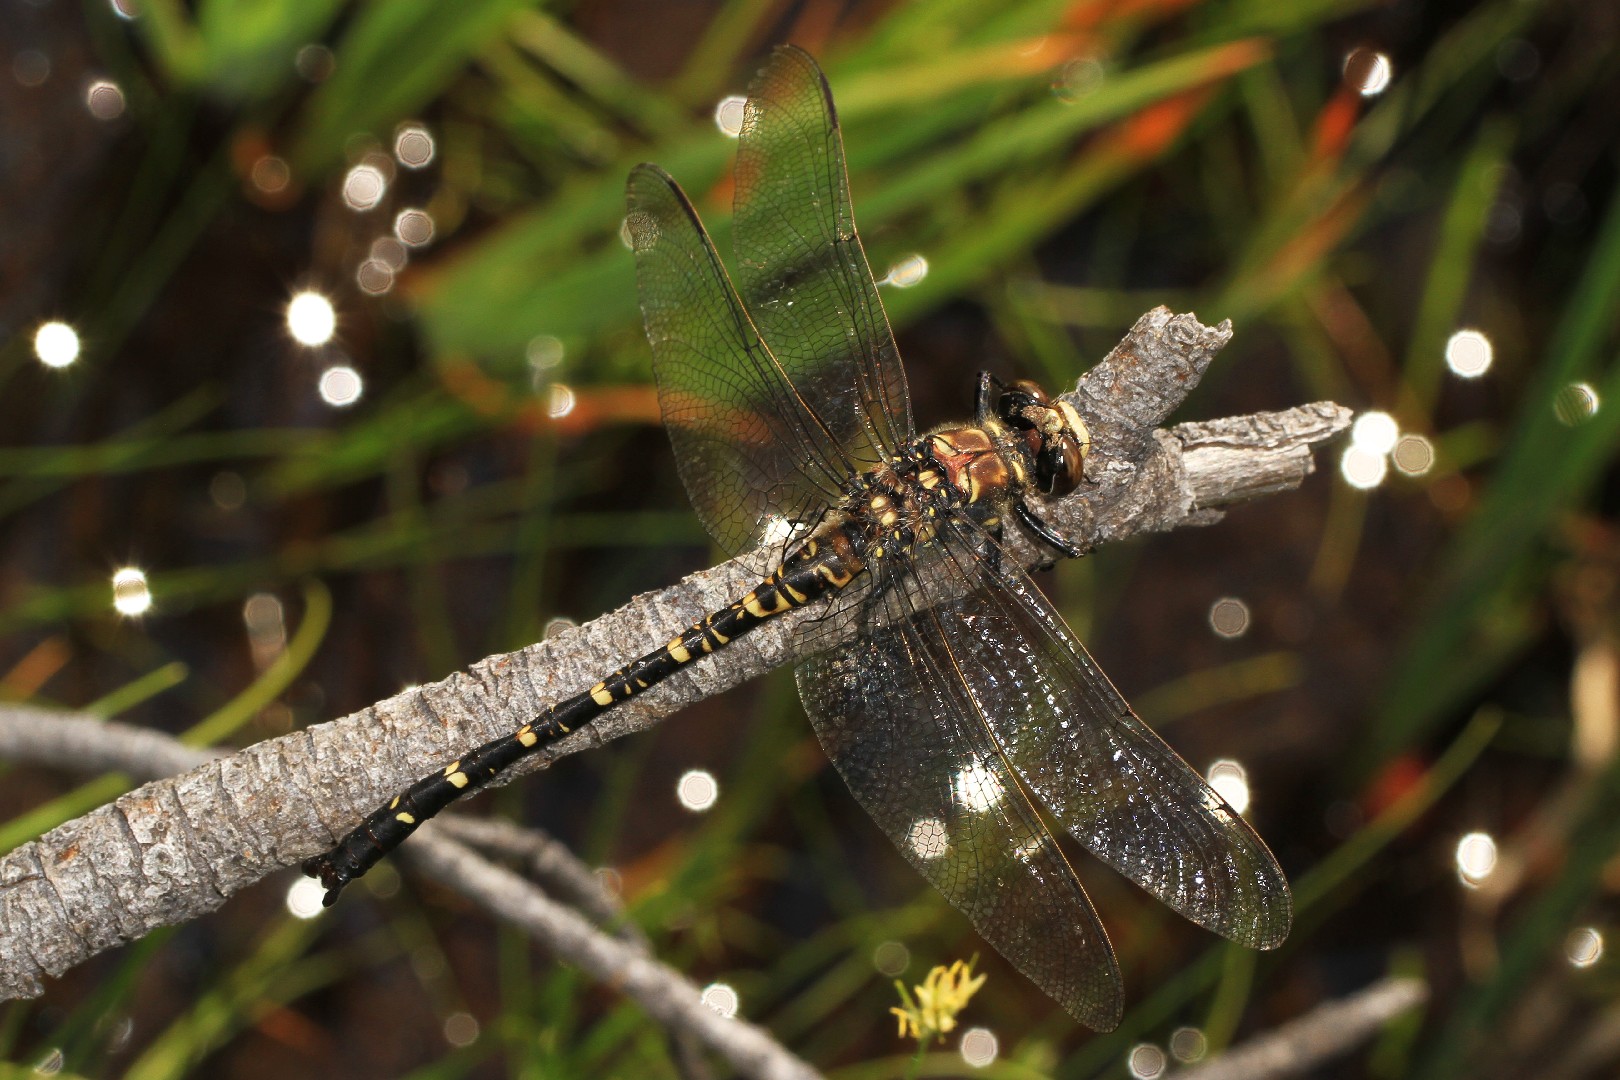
x=1429 y=658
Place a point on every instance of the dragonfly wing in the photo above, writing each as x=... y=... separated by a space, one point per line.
x=903 y=729
x=801 y=268
x=751 y=450
x=1107 y=779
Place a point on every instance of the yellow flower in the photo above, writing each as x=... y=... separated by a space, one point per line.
x=941 y=995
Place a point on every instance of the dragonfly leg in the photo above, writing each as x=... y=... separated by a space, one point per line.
x=1044 y=532
x=984 y=402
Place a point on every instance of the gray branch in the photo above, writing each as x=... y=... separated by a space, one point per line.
x=623 y=960
x=178 y=848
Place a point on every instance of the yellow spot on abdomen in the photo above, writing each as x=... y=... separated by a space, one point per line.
x=600 y=695
x=404 y=819
x=759 y=611
x=457 y=778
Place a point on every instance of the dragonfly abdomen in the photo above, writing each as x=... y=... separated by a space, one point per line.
x=825 y=563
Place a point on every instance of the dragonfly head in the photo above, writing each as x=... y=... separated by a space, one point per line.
x=1052 y=430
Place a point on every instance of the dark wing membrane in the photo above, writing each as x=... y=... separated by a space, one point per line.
x=1100 y=771
x=897 y=720
x=800 y=266
x=750 y=450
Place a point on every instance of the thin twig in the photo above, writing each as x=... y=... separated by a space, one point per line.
x=559 y=870
x=38 y=736
x=667 y=997
x=1299 y=1047
x=177 y=849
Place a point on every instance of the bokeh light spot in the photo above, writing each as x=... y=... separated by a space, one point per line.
x=314 y=63
x=228 y=490
x=1229 y=617
x=1584 y=947
x=560 y=401
x=544 y=352
x=1368 y=71
x=56 y=344
x=697 y=790
x=364 y=186
x=1576 y=404
x=1145 y=1061
x=413 y=146
x=1188 y=1045
x=891 y=958
x=1476 y=858
x=104 y=100
x=270 y=174
x=388 y=250
x=461 y=1029
x=1413 y=455
x=131 y=595
x=1231 y=782
x=304 y=898
x=413 y=227
x=979 y=1047
x=340 y=386
x=1077 y=78
x=30 y=68
x=1361 y=468
x=310 y=318
x=1469 y=354
x=728 y=115
x=721 y=998
x=374 y=277
x=907 y=272
x=1375 y=432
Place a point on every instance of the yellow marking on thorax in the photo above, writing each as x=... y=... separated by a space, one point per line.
x=794 y=594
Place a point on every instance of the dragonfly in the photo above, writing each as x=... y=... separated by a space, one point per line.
x=957 y=706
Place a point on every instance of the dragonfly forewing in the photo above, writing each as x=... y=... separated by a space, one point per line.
x=750 y=449
x=801 y=268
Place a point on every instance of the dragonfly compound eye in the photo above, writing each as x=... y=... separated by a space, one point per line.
x=1060 y=460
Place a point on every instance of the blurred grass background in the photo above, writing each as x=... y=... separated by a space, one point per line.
x=1428 y=657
